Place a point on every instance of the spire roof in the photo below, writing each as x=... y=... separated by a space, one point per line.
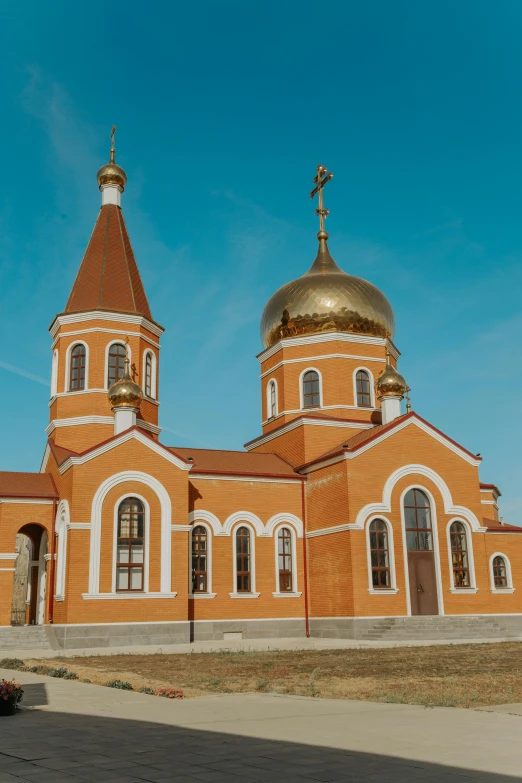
x=108 y=278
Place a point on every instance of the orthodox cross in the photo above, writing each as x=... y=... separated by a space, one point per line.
x=113 y=131
x=321 y=178
x=408 y=401
x=133 y=370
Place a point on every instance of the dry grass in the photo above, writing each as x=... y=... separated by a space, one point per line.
x=451 y=676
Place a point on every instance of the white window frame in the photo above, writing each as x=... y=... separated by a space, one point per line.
x=62 y=525
x=106 y=365
x=153 y=376
x=501 y=590
x=301 y=390
x=393 y=589
x=54 y=372
x=372 y=388
x=294 y=593
x=146 y=545
x=471 y=561
x=253 y=593
x=68 y=367
x=269 y=415
x=209 y=593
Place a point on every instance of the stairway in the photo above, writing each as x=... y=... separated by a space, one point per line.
x=443 y=628
x=27 y=637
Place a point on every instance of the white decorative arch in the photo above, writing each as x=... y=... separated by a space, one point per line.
x=153 y=375
x=165 y=535
x=120 y=341
x=372 y=386
x=243 y=516
x=509 y=575
x=68 y=365
x=471 y=560
x=208 y=517
x=269 y=415
x=420 y=470
x=392 y=590
x=287 y=519
x=146 y=539
x=301 y=394
x=63 y=519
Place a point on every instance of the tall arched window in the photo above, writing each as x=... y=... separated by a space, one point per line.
x=148 y=374
x=311 y=392
x=417 y=516
x=459 y=555
x=77 y=368
x=380 y=554
x=199 y=559
x=116 y=363
x=284 y=560
x=272 y=400
x=130 y=553
x=500 y=573
x=363 y=388
x=243 y=564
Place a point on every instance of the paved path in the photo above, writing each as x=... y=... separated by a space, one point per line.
x=79 y=732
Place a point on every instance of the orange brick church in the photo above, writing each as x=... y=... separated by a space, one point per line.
x=345 y=517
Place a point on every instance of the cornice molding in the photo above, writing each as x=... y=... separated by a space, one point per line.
x=100 y=315
x=120 y=332
x=77 y=421
x=301 y=411
x=298 y=422
x=239 y=477
x=37 y=501
x=355 y=357
x=345 y=337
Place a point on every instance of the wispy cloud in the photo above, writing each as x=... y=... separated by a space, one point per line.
x=20 y=371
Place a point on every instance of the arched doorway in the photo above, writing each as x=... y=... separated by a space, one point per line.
x=30 y=577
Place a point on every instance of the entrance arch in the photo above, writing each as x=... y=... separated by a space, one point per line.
x=30 y=576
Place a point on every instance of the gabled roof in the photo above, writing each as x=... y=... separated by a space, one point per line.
x=27 y=485
x=494 y=526
x=108 y=278
x=216 y=461
x=60 y=453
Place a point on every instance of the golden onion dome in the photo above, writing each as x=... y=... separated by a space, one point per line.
x=125 y=393
x=390 y=383
x=111 y=173
x=326 y=299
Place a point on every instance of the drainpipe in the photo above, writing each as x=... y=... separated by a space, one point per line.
x=53 y=564
x=305 y=559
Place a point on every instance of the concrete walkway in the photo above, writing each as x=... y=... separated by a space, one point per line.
x=79 y=732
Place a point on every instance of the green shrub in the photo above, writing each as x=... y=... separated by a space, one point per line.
x=11 y=663
x=148 y=690
x=63 y=673
x=121 y=684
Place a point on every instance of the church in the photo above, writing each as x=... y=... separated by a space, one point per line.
x=348 y=516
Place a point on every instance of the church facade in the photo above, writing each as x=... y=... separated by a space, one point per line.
x=343 y=511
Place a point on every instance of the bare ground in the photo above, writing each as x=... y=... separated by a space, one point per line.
x=450 y=675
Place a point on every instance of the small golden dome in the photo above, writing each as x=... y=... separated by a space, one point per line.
x=111 y=173
x=390 y=383
x=326 y=299
x=125 y=393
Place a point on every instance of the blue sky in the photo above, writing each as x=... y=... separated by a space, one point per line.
x=223 y=111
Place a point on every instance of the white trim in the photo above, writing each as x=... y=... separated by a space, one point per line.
x=301 y=390
x=74 y=343
x=209 y=529
x=269 y=399
x=125 y=345
x=54 y=372
x=248 y=518
x=293 y=555
x=37 y=501
x=286 y=519
x=124 y=597
x=91 y=391
x=45 y=458
x=308 y=422
x=146 y=541
x=327 y=337
x=123 y=438
x=355 y=357
x=166 y=521
x=239 y=524
x=300 y=411
x=58 y=598
x=372 y=388
x=501 y=590
x=436 y=546
x=105 y=331
x=153 y=376
x=250 y=479
x=287 y=595
x=78 y=526
x=9 y=555
x=62 y=526
x=393 y=589
x=77 y=421
x=180 y=528
x=42 y=579
x=327 y=531
x=100 y=315
x=472 y=588
x=208 y=517
x=7 y=569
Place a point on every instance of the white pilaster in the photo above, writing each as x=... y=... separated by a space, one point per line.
x=111 y=194
x=124 y=418
x=391 y=408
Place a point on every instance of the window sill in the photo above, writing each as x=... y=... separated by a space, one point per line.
x=502 y=590
x=199 y=596
x=287 y=595
x=244 y=595
x=383 y=591
x=463 y=590
x=124 y=596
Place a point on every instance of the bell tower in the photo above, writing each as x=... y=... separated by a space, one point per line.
x=106 y=320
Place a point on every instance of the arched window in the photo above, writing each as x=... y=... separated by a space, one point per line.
x=284 y=560
x=77 y=368
x=148 y=374
x=243 y=565
x=116 y=363
x=311 y=393
x=363 y=388
x=272 y=400
x=417 y=515
x=459 y=555
x=500 y=573
x=199 y=559
x=130 y=553
x=380 y=554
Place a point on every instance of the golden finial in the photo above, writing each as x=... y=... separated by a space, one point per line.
x=321 y=178
x=408 y=401
x=113 y=149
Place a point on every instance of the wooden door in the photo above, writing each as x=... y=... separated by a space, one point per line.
x=423 y=582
